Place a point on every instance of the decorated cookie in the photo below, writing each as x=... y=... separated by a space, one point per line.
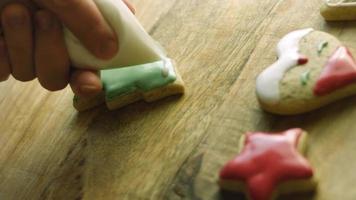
x=334 y=10
x=269 y=164
x=126 y=85
x=139 y=70
x=313 y=69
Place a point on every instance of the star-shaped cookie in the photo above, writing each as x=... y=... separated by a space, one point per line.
x=268 y=165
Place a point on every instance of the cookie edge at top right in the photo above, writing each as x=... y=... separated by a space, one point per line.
x=340 y=11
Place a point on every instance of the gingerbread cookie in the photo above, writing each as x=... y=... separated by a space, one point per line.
x=269 y=165
x=126 y=85
x=334 y=10
x=139 y=70
x=313 y=69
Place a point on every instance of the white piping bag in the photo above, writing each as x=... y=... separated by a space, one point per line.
x=136 y=46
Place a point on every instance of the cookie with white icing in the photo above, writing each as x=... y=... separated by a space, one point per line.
x=139 y=70
x=269 y=164
x=334 y=10
x=123 y=86
x=313 y=69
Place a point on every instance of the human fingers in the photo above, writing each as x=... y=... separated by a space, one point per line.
x=85 y=83
x=84 y=19
x=130 y=6
x=4 y=61
x=17 y=27
x=51 y=57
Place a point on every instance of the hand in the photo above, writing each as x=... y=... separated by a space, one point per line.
x=32 y=43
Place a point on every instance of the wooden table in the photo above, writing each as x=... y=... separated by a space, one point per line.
x=173 y=149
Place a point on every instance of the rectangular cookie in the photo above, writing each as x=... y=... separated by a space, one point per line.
x=336 y=10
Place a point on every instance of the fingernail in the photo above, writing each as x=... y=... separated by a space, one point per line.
x=16 y=20
x=88 y=90
x=44 y=22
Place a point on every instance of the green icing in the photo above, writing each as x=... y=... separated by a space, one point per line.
x=304 y=77
x=121 y=81
x=322 y=46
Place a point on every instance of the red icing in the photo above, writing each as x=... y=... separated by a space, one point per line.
x=339 y=71
x=302 y=60
x=267 y=160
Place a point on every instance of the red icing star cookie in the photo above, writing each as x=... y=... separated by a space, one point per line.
x=339 y=71
x=269 y=164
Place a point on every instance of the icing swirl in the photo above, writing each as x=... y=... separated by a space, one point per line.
x=267 y=83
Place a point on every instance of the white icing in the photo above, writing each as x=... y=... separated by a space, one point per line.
x=340 y=3
x=267 y=83
x=135 y=45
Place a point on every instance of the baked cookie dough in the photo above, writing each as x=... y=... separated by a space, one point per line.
x=269 y=164
x=140 y=69
x=313 y=70
x=122 y=86
x=334 y=10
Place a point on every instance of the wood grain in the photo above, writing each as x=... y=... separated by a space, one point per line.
x=174 y=148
